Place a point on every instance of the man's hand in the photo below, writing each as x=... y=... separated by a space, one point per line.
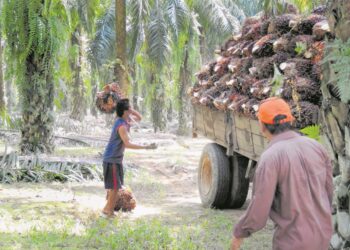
x=151 y=146
x=236 y=243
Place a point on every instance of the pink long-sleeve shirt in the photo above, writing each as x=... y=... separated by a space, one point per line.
x=293 y=186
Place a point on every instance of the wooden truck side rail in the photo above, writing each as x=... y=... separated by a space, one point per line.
x=234 y=132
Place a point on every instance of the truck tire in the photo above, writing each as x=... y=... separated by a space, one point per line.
x=239 y=184
x=214 y=176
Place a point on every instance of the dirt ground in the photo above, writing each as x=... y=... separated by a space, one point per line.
x=164 y=182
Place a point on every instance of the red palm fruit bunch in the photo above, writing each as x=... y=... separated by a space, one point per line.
x=280 y=24
x=316 y=52
x=107 y=99
x=304 y=26
x=264 y=46
x=306 y=113
x=279 y=55
x=253 y=32
x=126 y=201
x=320 y=10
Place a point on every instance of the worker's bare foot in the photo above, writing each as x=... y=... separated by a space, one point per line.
x=107 y=215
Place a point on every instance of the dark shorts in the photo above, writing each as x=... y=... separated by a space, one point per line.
x=113 y=175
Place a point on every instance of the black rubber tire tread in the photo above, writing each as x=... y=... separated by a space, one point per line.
x=240 y=184
x=220 y=184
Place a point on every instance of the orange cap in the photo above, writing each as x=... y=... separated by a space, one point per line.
x=272 y=107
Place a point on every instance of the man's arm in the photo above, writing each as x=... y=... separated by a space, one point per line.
x=124 y=135
x=136 y=115
x=255 y=218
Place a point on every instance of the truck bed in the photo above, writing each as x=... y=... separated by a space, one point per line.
x=234 y=132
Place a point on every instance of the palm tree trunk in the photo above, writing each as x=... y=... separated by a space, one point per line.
x=183 y=100
x=158 y=103
x=144 y=94
x=202 y=46
x=94 y=87
x=170 y=111
x=2 y=93
x=35 y=76
x=336 y=126
x=135 y=88
x=10 y=95
x=79 y=105
x=37 y=107
x=121 y=67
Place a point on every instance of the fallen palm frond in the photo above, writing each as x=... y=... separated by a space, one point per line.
x=34 y=168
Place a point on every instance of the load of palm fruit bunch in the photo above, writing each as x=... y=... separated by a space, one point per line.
x=272 y=56
x=126 y=201
x=107 y=99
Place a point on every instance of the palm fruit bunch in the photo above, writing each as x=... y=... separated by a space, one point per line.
x=276 y=56
x=107 y=99
x=126 y=201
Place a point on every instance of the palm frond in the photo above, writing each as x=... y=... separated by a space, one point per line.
x=177 y=14
x=274 y=7
x=312 y=131
x=303 y=5
x=235 y=10
x=250 y=8
x=339 y=60
x=87 y=13
x=138 y=12
x=157 y=37
x=216 y=14
x=102 y=47
x=217 y=21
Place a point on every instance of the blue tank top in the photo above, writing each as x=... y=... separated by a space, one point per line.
x=114 y=151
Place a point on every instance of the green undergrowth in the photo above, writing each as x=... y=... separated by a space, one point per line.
x=208 y=229
x=123 y=234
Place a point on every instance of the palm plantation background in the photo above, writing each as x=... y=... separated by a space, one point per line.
x=57 y=54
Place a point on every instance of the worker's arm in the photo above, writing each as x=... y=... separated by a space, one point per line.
x=264 y=187
x=136 y=115
x=124 y=135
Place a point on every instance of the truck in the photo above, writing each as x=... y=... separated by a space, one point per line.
x=226 y=164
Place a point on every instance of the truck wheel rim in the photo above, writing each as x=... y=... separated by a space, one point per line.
x=206 y=175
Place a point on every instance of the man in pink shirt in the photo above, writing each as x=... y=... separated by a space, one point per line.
x=293 y=185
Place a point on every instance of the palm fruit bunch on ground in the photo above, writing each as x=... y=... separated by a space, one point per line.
x=106 y=100
x=126 y=201
x=273 y=56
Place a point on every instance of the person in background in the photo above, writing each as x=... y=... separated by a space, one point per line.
x=113 y=171
x=293 y=185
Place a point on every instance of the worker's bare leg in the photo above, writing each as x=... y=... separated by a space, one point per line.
x=111 y=201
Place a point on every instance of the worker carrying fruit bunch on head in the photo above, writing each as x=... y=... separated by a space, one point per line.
x=293 y=185
x=113 y=171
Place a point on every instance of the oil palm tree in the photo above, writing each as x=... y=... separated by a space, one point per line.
x=82 y=15
x=2 y=92
x=34 y=30
x=121 y=65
